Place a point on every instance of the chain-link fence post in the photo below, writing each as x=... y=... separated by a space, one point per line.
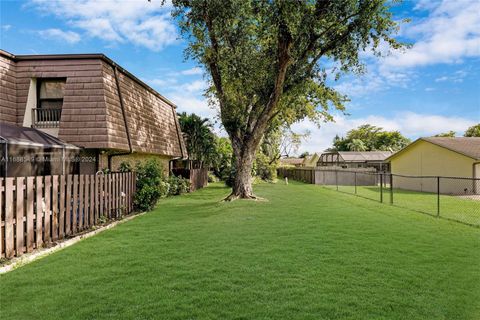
x=391 y=188
x=438 y=197
x=336 y=178
x=381 y=187
x=355 y=181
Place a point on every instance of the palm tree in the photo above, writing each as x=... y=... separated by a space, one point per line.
x=357 y=145
x=199 y=138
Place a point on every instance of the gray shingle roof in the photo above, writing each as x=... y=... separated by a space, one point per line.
x=468 y=146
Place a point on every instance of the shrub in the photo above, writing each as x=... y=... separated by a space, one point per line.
x=125 y=167
x=264 y=168
x=178 y=185
x=230 y=179
x=212 y=177
x=149 y=184
x=164 y=188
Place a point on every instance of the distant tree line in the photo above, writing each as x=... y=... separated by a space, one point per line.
x=473 y=131
x=370 y=138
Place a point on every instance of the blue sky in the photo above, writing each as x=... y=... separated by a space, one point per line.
x=431 y=88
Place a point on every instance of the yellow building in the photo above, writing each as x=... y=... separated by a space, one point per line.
x=311 y=160
x=428 y=158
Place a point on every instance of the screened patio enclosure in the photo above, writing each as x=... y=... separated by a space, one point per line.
x=30 y=152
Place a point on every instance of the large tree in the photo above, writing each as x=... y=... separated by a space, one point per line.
x=370 y=138
x=473 y=131
x=267 y=61
x=447 y=134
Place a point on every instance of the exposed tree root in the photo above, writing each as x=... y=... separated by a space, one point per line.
x=233 y=197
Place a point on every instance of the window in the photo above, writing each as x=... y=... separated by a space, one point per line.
x=50 y=94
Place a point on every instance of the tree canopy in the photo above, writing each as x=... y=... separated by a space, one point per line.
x=267 y=61
x=370 y=138
x=199 y=138
x=448 y=134
x=473 y=131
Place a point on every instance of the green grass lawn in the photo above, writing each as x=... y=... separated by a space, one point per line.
x=306 y=253
x=455 y=208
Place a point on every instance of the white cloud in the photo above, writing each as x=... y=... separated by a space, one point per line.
x=410 y=124
x=193 y=104
x=188 y=96
x=450 y=33
x=457 y=77
x=6 y=27
x=192 y=71
x=60 y=35
x=142 y=23
x=440 y=79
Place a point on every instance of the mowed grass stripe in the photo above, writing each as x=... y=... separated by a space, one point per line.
x=306 y=253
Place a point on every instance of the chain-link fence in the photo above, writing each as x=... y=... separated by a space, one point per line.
x=451 y=198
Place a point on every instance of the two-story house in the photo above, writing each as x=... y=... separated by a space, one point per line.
x=85 y=101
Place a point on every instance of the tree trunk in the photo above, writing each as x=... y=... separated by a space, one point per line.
x=242 y=186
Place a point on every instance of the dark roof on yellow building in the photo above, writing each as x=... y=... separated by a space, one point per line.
x=467 y=146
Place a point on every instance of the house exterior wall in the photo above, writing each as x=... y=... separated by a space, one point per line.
x=427 y=159
x=92 y=115
x=155 y=133
x=83 y=118
x=8 y=90
x=311 y=161
x=132 y=159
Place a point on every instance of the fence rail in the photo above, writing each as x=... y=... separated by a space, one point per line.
x=452 y=198
x=35 y=211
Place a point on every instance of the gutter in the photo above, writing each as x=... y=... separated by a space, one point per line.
x=180 y=139
x=124 y=114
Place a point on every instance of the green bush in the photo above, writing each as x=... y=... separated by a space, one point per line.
x=150 y=186
x=264 y=168
x=212 y=177
x=230 y=178
x=125 y=167
x=178 y=185
x=164 y=188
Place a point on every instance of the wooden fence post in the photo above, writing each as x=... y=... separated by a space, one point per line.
x=2 y=190
x=47 y=211
x=61 y=213
x=69 y=211
x=9 y=246
x=54 y=208
x=80 y=202
x=39 y=211
x=92 y=200
x=19 y=214
x=75 y=204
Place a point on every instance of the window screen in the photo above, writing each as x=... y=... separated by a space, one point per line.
x=51 y=93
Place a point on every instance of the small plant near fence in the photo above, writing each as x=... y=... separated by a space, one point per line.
x=451 y=198
x=153 y=184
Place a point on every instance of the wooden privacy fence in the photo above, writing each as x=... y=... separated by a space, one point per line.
x=306 y=175
x=198 y=177
x=39 y=210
